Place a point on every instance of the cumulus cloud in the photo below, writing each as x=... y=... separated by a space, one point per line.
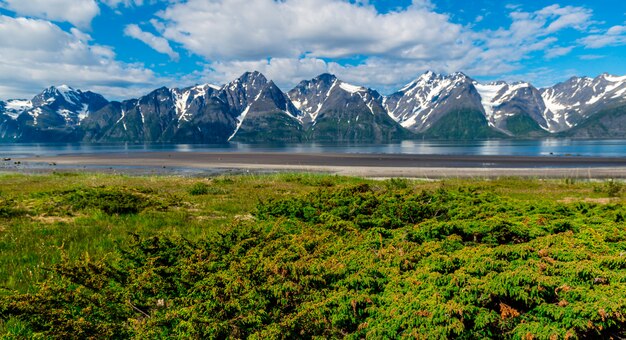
x=77 y=12
x=614 y=36
x=257 y=29
x=159 y=44
x=302 y=35
x=382 y=74
x=36 y=54
x=291 y=40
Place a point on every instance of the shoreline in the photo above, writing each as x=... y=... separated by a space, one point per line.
x=360 y=165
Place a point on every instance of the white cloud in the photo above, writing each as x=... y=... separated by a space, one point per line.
x=565 y=17
x=503 y=50
x=257 y=29
x=159 y=44
x=36 y=54
x=556 y=52
x=125 y=3
x=77 y=12
x=382 y=74
x=614 y=36
x=290 y=39
x=540 y=77
x=591 y=57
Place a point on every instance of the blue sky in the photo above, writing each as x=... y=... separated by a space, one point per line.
x=125 y=48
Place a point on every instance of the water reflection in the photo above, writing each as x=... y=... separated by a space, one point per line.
x=543 y=147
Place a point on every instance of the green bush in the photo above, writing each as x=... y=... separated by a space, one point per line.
x=8 y=209
x=613 y=188
x=108 y=200
x=397 y=183
x=353 y=262
x=199 y=188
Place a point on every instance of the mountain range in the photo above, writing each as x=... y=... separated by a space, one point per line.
x=253 y=109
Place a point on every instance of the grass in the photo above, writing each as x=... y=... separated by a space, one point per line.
x=45 y=216
x=51 y=220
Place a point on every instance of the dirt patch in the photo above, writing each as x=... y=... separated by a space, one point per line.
x=210 y=217
x=247 y=217
x=602 y=200
x=53 y=219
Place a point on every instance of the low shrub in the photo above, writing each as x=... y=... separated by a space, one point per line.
x=199 y=188
x=354 y=261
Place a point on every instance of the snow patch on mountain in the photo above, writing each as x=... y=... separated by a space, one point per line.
x=426 y=98
x=15 y=107
x=351 y=88
x=35 y=114
x=488 y=94
x=240 y=121
x=181 y=104
x=494 y=97
x=570 y=102
x=121 y=120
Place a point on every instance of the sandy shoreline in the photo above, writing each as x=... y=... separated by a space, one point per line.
x=364 y=165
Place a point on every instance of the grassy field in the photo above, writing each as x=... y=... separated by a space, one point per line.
x=303 y=255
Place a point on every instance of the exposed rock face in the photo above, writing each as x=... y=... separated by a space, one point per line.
x=334 y=110
x=570 y=103
x=515 y=109
x=423 y=102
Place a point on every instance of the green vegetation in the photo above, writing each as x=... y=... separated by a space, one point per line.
x=270 y=127
x=462 y=124
x=523 y=125
x=346 y=126
x=305 y=256
x=606 y=123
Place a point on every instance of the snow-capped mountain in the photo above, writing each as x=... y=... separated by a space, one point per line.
x=571 y=102
x=252 y=108
x=310 y=95
x=52 y=115
x=205 y=113
x=339 y=111
x=192 y=114
x=323 y=93
x=424 y=101
x=513 y=108
x=264 y=112
x=60 y=106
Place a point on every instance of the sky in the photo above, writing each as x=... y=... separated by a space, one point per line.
x=126 y=48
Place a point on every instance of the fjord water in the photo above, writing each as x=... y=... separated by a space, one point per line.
x=543 y=147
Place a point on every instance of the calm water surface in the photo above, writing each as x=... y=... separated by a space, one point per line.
x=544 y=147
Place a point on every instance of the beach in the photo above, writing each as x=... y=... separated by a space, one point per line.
x=363 y=165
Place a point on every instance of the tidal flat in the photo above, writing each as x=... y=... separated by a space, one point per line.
x=302 y=255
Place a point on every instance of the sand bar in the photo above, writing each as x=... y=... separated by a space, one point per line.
x=366 y=165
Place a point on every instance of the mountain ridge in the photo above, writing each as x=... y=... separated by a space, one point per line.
x=252 y=108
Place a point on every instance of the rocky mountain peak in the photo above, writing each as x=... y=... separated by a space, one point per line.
x=325 y=78
x=322 y=108
x=570 y=102
x=253 y=79
x=423 y=101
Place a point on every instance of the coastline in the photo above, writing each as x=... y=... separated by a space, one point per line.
x=361 y=165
